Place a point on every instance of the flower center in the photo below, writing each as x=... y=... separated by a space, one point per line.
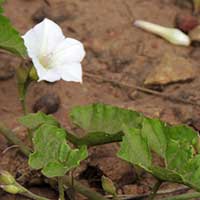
x=46 y=60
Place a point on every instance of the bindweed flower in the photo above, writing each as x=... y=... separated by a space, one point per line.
x=54 y=56
x=173 y=35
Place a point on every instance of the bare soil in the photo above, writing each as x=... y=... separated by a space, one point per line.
x=115 y=50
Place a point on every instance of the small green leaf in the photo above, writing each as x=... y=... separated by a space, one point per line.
x=53 y=169
x=10 y=39
x=51 y=152
x=34 y=120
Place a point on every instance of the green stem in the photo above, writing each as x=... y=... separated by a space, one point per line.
x=87 y=192
x=94 y=141
x=184 y=196
x=23 y=104
x=155 y=189
x=61 y=188
x=13 y=139
x=115 y=197
x=31 y=195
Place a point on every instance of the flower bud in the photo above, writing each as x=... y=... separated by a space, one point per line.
x=33 y=74
x=12 y=189
x=172 y=35
x=108 y=185
x=6 y=178
x=22 y=74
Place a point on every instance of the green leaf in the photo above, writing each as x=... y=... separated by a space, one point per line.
x=174 y=145
x=134 y=148
x=51 y=152
x=34 y=120
x=10 y=39
x=104 y=118
x=103 y=122
x=153 y=130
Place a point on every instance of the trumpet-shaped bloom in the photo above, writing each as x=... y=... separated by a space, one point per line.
x=54 y=56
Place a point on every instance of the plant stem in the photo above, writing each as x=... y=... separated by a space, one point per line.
x=155 y=189
x=61 y=188
x=87 y=192
x=88 y=141
x=33 y=196
x=13 y=139
x=184 y=196
x=23 y=104
x=115 y=197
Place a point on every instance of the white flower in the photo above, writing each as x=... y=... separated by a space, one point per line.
x=54 y=56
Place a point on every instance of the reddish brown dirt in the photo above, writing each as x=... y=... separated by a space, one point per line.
x=115 y=50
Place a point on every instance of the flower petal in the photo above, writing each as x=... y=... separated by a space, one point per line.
x=71 y=72
x=49 y=75
x=43 y=38
x=68 y=51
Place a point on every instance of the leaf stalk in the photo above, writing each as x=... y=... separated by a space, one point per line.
x=155 y=189
x=61 y=189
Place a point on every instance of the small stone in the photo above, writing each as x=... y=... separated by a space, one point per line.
x=195 y=34
x=186 y=22
x=133 y=95
x=48 y=104
x=172 y=69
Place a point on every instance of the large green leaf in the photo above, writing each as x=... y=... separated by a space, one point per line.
x=52 y=154
x=34 y=120
x=10 y=39
x=175 y=145
x=137 y=150
x=103 y=122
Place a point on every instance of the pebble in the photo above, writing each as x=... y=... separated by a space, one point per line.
x=186 y=22
x=171 y=69
x=48 y=103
